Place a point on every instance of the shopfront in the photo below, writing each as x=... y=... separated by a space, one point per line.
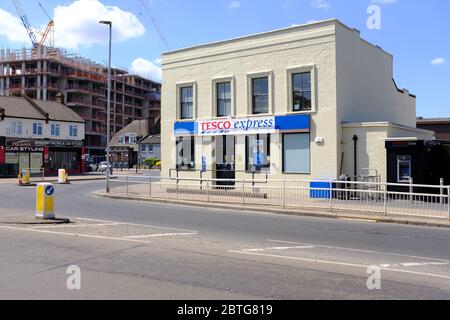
x=48 y=154
x=232 y=148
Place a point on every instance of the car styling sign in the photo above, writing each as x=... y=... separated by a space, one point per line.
x=236 y=126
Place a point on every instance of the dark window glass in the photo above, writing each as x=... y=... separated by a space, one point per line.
x=223 y=99
x=187 y=102
x=260 y=95
x=185 y=153
x=63 y=159
x=257 y=152
x=301 y=91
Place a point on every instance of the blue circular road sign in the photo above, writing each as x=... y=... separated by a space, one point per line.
x=49 y=190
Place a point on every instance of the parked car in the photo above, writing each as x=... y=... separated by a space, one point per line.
x=104 y=165
x=93 y=166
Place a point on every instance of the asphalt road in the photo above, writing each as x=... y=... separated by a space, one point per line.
x=155 y=251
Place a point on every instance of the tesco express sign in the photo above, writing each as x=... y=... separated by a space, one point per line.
x=236 y=126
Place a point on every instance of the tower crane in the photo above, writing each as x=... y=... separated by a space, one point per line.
x=31 y=33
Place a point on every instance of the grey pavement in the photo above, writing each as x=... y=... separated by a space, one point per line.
x=140 y=250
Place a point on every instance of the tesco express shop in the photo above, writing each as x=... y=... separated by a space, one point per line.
x=243 y=147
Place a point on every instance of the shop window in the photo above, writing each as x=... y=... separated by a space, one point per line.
x=187 y=102
x=11 y=158
x=55 y=130
x=403 y=168
x=223 y=91
x=296 y=153
x=73 y=131
x=185 y=149
x=257 y=152
x=260 y=95
x=301 y=91
x=16 y=127
x=37 y=128
x=63 y=160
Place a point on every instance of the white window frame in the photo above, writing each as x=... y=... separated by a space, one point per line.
x=301 y=69
x=180 y=85
x=14 y=127
x=73 y=130
x=255 y=75
x=214 y=83
x=53 y=131
x=37 y=125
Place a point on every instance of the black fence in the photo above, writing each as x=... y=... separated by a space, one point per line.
x=9 y=170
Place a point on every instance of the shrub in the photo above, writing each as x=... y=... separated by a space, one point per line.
x=151 y=162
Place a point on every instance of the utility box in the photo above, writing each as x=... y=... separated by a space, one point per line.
x=45 y=203
x=321 y=189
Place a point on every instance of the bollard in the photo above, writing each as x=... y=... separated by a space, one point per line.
x=44 y=201
x=61 y=175
x=441 y=183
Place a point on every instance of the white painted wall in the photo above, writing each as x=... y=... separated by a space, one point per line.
x=353 y=83
x=27 y=129
x=274 y=53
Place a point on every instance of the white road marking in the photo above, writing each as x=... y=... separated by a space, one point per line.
x=161 y=235
x=277 y=248
x=137 y=224
x=359 y=250
x=73 y=234
x=136 y=238
x=433 y=275
x=415 y=264
x=74 y=225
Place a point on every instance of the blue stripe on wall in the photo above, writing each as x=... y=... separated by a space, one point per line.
x=295 y=122
x=182 y=128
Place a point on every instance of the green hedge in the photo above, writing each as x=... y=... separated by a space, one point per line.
x=151 y=162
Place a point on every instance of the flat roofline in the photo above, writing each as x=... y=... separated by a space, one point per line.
x=254 y=35
x=433 y=120
x=384 y=124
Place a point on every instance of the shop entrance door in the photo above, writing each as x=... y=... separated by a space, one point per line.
x=225 y=159
x=24 y=161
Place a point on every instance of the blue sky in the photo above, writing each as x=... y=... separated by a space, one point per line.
x=416 y=32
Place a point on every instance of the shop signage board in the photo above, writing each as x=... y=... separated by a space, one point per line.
x=243 y=126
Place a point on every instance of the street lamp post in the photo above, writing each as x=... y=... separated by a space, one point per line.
x=108 y=107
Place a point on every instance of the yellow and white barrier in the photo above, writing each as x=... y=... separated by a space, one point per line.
x=24 y=177
x=63 y=176
x=45 y=203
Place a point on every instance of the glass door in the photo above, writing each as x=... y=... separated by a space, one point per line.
x=225 y=159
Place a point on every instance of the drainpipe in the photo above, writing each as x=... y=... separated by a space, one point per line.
x=355 y=144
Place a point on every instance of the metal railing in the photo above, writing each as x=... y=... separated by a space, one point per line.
x=264 y=174
x=421 y=201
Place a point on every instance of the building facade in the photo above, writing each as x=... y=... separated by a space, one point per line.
x=307 y=102
x=440 y=126
x=40 y=135
x=50 y=74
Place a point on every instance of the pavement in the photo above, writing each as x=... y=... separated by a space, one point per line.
x=142 y=250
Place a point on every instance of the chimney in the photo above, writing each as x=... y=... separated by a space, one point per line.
x=60 y=98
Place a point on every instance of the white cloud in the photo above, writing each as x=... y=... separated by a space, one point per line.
x=147 y=68
x=321 y=4
x=12 y=28
x=77 y=24
x=438 y=61
x=235 y=4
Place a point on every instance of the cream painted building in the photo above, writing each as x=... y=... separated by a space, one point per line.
x=286 y=103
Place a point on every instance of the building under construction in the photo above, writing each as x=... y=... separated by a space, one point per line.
x=46 y=73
